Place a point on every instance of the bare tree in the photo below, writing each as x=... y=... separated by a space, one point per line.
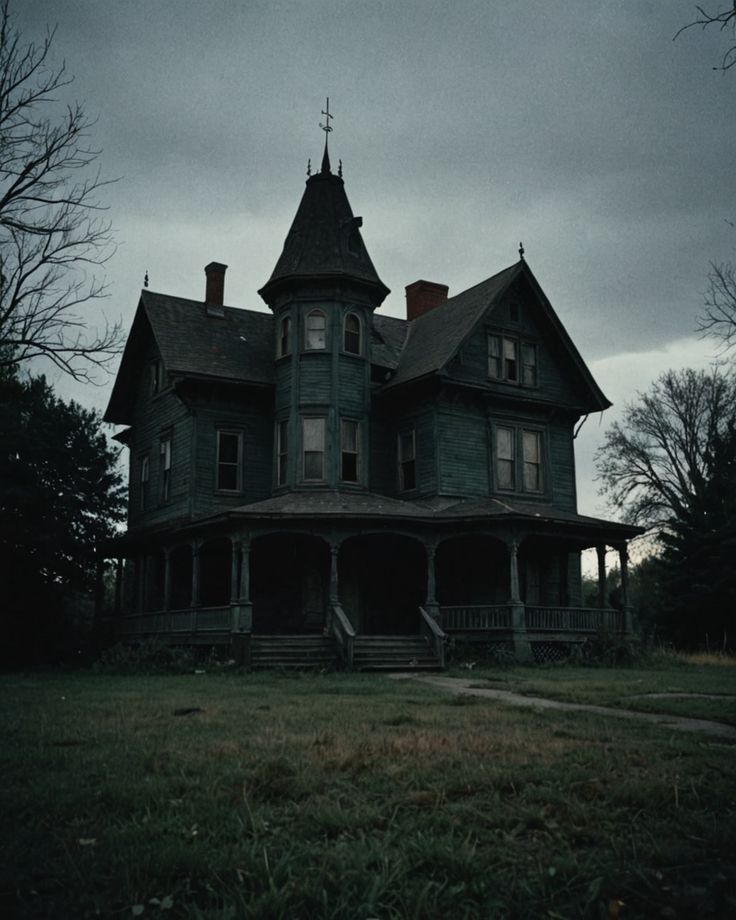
x=725 y=20
x=53 y=234
x=718 y=317
x=657 y=463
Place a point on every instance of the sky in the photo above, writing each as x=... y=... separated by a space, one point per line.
x=578 y=127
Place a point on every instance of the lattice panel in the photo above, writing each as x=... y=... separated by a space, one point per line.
x=550 y=652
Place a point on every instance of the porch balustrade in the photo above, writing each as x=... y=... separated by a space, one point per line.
x=485 y=617
x=203 y=620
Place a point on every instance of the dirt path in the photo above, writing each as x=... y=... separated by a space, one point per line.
x=467 y=687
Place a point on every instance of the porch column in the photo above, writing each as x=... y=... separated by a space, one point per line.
x=118 y=586
x=167 y=578
x=195 y=574
x=601 y=551
x=334 y=583
x=522 y=646
x=431 y=605
x=623 y=555
x=564 y=588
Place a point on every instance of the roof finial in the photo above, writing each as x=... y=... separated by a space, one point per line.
x=309 y=167
x=521 y=251
x=339 y=168
x=326 y=127
x=145 y=279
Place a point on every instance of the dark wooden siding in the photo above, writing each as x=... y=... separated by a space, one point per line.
x=463 y=450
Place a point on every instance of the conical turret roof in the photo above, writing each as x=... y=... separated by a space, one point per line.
x=324 y=241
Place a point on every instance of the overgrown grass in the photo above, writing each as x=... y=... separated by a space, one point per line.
x=349 y=797
x=667 y=685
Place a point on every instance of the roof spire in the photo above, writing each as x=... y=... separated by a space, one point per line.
x=326 y=127
x=145 y=279
x=521 y=251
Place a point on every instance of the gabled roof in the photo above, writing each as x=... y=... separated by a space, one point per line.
x=435 y=337
x=237 y=347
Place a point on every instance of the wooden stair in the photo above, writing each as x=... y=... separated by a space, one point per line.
x=293 y=652
x=393 y=653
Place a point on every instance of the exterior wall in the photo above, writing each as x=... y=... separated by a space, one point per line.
x=464 y=450
x=156 y=416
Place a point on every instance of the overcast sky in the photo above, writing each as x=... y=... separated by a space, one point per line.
x=578 y=127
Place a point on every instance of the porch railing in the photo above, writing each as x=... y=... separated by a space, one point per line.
x=434 y=635
x=344 y=634
x=574 y=619
x=201 y=620
x=482 y=617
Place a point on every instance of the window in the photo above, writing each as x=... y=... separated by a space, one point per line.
x=143 y=478
x=284 y=343
x=315 y=328
x=349 y=450
x=155 y=377
x=165 y=469
x=505 y=458
x=313 y=431
x=407 y=461
x=282 y=452
x=351 y=342
x=528 y=364
x=503 y=360
x=229 y=460
x=532 y=456
x=512 y=443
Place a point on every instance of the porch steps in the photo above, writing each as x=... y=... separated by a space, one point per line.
x=393 y=653
x=297 y=652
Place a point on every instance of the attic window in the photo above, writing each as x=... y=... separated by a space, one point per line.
x=351 y=342
x=155 y=377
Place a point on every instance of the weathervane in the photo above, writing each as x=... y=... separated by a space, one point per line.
x=521 y=251
x=145 y=279
x=326 y=127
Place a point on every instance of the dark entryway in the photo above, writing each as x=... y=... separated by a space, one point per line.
x=472 y=570
x=382 y=583
x=289 y=583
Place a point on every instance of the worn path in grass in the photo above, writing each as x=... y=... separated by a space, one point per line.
x=464 y=687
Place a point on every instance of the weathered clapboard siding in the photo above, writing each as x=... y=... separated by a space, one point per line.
x=382 y=476
x=315 y=378
x=254 y=421
x=352 y=384
x=155 y=416
x=284 y=374
x=463 y=451
x=561 y=454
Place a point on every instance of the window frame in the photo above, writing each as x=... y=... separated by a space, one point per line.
x=307 y=331
x=282 y=452
x=351 y=314
x=164 y=459
x=238 y=463
x=144 y=478
x=409 y=462
x=283 y=343
x=344 y=451
x=323 y=451
x=519 y=461
x=499 y=364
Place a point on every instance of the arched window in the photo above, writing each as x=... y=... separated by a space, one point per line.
x=315 y=331
x=284 y=344
x=351 y=338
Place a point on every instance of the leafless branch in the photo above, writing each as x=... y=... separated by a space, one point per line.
x=725 y=21
x=718 y=318
x=53 y=233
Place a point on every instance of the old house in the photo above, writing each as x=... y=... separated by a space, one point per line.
x=323 y=482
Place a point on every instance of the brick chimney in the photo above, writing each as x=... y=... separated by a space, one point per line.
x=214 y=297
x=423 y=296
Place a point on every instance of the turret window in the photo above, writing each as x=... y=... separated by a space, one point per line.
x=313 y=434
x=145 y=474
x=351 y=342
x=284 y=345
x=349 y=450
x=165 y=469
x=315 y=331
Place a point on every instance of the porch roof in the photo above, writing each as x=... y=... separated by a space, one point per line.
x=356 y=506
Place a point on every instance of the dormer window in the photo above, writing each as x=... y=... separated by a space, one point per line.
x=351 y=337
x=284 y=343
x=511 y=360
x=315 y=331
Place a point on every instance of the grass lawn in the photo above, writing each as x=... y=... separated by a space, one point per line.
x=627 y=688
x=352 y=797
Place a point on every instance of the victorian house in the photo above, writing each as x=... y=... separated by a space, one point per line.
x=322 y=482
